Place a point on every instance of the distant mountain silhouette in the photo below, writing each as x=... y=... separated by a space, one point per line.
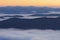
x=39 y=23
x=27 y=9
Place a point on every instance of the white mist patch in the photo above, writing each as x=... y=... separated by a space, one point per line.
x=16 y=14
x=33 y=34
x=27 y=16
x=51 y=12
x=30 y=17
x=52 y=16
x=5 y=18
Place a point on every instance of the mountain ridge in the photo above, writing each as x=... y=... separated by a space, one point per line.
x=39 y=23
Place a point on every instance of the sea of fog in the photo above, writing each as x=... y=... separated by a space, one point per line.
x=31 y=34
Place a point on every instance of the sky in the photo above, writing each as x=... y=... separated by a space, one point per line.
x=30 y=3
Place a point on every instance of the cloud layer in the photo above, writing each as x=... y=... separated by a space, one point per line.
x=33 y=34
x=28 y=16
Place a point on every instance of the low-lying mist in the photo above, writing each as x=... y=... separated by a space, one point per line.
x=31 y=34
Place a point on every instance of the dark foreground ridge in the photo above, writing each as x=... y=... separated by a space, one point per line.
x=40 y=23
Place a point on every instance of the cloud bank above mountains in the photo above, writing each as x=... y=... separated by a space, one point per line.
x=27 y=9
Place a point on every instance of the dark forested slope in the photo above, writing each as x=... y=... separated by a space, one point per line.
x=40 y=23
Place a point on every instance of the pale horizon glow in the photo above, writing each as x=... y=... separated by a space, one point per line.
x=55 y=3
